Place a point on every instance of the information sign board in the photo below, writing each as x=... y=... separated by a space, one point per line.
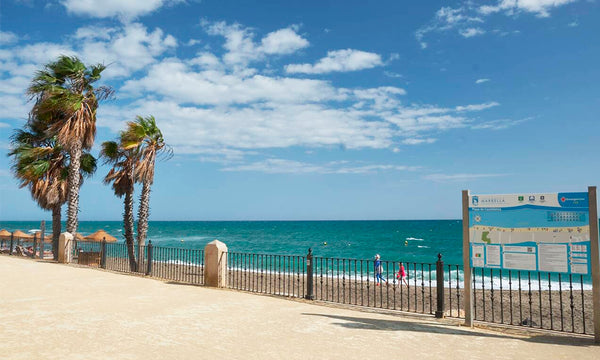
x=536 y=232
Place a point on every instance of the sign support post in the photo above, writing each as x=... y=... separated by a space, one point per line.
x=468 y=289
x=595 y=260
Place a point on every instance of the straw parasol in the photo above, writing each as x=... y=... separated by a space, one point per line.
x=101 y=235
x=79 y=236
x=4 y=234
x=21 y=235
x=47 y=238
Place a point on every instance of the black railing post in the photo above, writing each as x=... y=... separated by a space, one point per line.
x=12 y=239
x=439 y=276
x=149 y=249
x=309 y=276
x=103 y=254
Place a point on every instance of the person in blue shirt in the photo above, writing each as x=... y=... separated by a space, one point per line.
x=378 y=270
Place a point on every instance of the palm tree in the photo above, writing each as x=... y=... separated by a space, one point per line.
x=121 y=177
x=66 y=100
x=40 y=164
x=146 y=138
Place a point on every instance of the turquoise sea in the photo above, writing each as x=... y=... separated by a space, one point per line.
x=412 y=241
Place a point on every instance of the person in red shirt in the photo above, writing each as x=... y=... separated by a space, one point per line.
x=401 y=275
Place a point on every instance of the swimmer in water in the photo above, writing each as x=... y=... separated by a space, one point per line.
x=325 y=243
x=405 y=243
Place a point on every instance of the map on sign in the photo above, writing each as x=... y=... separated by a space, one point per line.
x=537 y=232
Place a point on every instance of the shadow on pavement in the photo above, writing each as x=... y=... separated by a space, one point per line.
x=397 y=325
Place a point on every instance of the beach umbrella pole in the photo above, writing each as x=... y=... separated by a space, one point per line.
x=42 y=230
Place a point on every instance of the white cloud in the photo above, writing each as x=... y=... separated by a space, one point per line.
x=13 y=107
x=175 y=80
x=7 y=37
x=241 y=48
x=283 y=41
x=470 y=32
x=477 y=107
x=481 y=81
x=338 y=61
x=94 y=32
x=214 y=105
x=381 y=98
x=114 y=8
x=193 y=129
x=498 y=124
x=127 y=50
x=40 y=53
x=192 y=42
x=283 y=166
x=392 y=74
x=448 y=18
x=539 y=7
x=459 y=177
x=468 y=13
x=417 y=141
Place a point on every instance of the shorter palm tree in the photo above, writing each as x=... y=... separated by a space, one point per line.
x=143 y=136
x=121 y=177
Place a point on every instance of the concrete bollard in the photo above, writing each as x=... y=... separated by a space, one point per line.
x=215 y=264
x=65 y=248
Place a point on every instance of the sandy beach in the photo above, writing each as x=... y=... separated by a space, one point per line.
x=53 y=311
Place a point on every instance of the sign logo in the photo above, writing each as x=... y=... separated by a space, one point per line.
x=521 y=198
x=531 y=198
x=475 y=200
x=542 y=198
x=563 y=199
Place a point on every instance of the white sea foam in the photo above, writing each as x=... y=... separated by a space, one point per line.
x=414 y=239
x=423 y=247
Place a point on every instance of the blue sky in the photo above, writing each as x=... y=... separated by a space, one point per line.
x=323 y=109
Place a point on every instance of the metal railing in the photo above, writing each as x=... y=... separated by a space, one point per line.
x=174 y=264
x=547 y=301
x=354 y=282
x=533 y=299
x=177 y=264
x=283 y=275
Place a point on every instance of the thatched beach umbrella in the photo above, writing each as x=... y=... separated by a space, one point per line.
x=21 y=235
x=101 y=235
x=4 y=234
x=79 y=237
x=47 y=238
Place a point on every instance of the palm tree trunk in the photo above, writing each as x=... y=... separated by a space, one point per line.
x=73 y=180
x=56 y=217
x=143 y=213
x=128 y=224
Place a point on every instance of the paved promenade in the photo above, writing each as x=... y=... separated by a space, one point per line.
x=51 y=311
